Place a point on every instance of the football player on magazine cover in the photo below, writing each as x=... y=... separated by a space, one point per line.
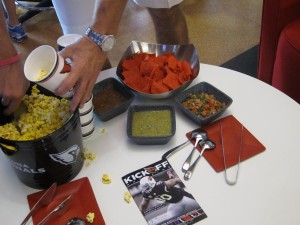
x=179 y=201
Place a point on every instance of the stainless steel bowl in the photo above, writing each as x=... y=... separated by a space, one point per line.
x=181 y=52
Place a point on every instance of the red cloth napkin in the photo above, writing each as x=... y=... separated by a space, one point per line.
x=231 y=140
x=82 y=203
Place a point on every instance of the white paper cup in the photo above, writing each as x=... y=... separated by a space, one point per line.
x=66 y=40
x=87 y=118
x=46 y=68
x=87 y=106
x=88 y=129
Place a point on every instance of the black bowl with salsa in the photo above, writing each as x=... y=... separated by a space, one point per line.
x=203 y=102
x=110 y=99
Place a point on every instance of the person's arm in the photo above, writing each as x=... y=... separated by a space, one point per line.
x=144 y=204
x=87 y=58
x=13 y=84
x=172 y=182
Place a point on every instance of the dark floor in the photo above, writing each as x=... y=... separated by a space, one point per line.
x=246 y=62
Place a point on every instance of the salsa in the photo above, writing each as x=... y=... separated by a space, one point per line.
x=203 y=104
x=151 y=123
x=108 y=99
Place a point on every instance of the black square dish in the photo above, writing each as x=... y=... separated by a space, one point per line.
x=203 y=87
x=151 y=124
x=110 y=98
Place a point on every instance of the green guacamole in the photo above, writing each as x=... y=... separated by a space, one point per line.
x=151 y=123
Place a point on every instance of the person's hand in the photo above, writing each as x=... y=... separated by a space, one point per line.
x=86 y=63
x=13 y=86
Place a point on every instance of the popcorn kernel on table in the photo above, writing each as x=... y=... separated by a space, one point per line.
x=90 y=217
x=106 y=179
x=89 y=155
x=127 y=197
x=103 y=130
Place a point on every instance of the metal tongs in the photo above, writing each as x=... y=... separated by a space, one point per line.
x=59 y=210
x=43 y=201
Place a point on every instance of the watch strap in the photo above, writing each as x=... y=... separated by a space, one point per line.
x=96 y=37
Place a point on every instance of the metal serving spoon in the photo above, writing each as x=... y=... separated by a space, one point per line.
x=193 y=136
x=76 y=221
x=201 y=136
x=206 y=145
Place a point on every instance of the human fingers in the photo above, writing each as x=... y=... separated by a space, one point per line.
x=5 y=101
x=65 y=52
x=78 y=96
x=86 y=63
x=82 y=94
x=12 y=106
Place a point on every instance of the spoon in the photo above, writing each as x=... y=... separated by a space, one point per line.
x=193 y=135
x=76 y=221
x=201 y=136
x=206 y=145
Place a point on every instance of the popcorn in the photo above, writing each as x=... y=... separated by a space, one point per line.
x=88 y=156
x=90 y=217
x=44 y=115
x=106 y=179
x=42 y=74
x=127 y=197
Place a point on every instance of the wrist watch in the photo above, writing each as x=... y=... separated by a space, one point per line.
x=105 y=42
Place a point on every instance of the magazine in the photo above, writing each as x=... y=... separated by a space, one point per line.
x=161 y=195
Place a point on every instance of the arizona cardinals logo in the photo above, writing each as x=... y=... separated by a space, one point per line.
x=67 y=157
x=150 y=169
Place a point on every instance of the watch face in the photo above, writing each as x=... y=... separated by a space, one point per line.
x=108 y=43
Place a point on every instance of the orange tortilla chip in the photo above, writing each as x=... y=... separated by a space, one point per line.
x=172 y=62
x=128 y=64
x=147 y=86
x=186 y=67
x=149 y=73
x=171 y=80
x=158 y=74
x=133 y=72
x=146 y=68
x=158 y=88
x=160 y=60
x=136 y=83
x=182 y=77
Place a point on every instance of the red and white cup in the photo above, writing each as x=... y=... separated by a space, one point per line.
x=46 y=68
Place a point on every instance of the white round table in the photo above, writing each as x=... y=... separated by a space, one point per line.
x=268 y=189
